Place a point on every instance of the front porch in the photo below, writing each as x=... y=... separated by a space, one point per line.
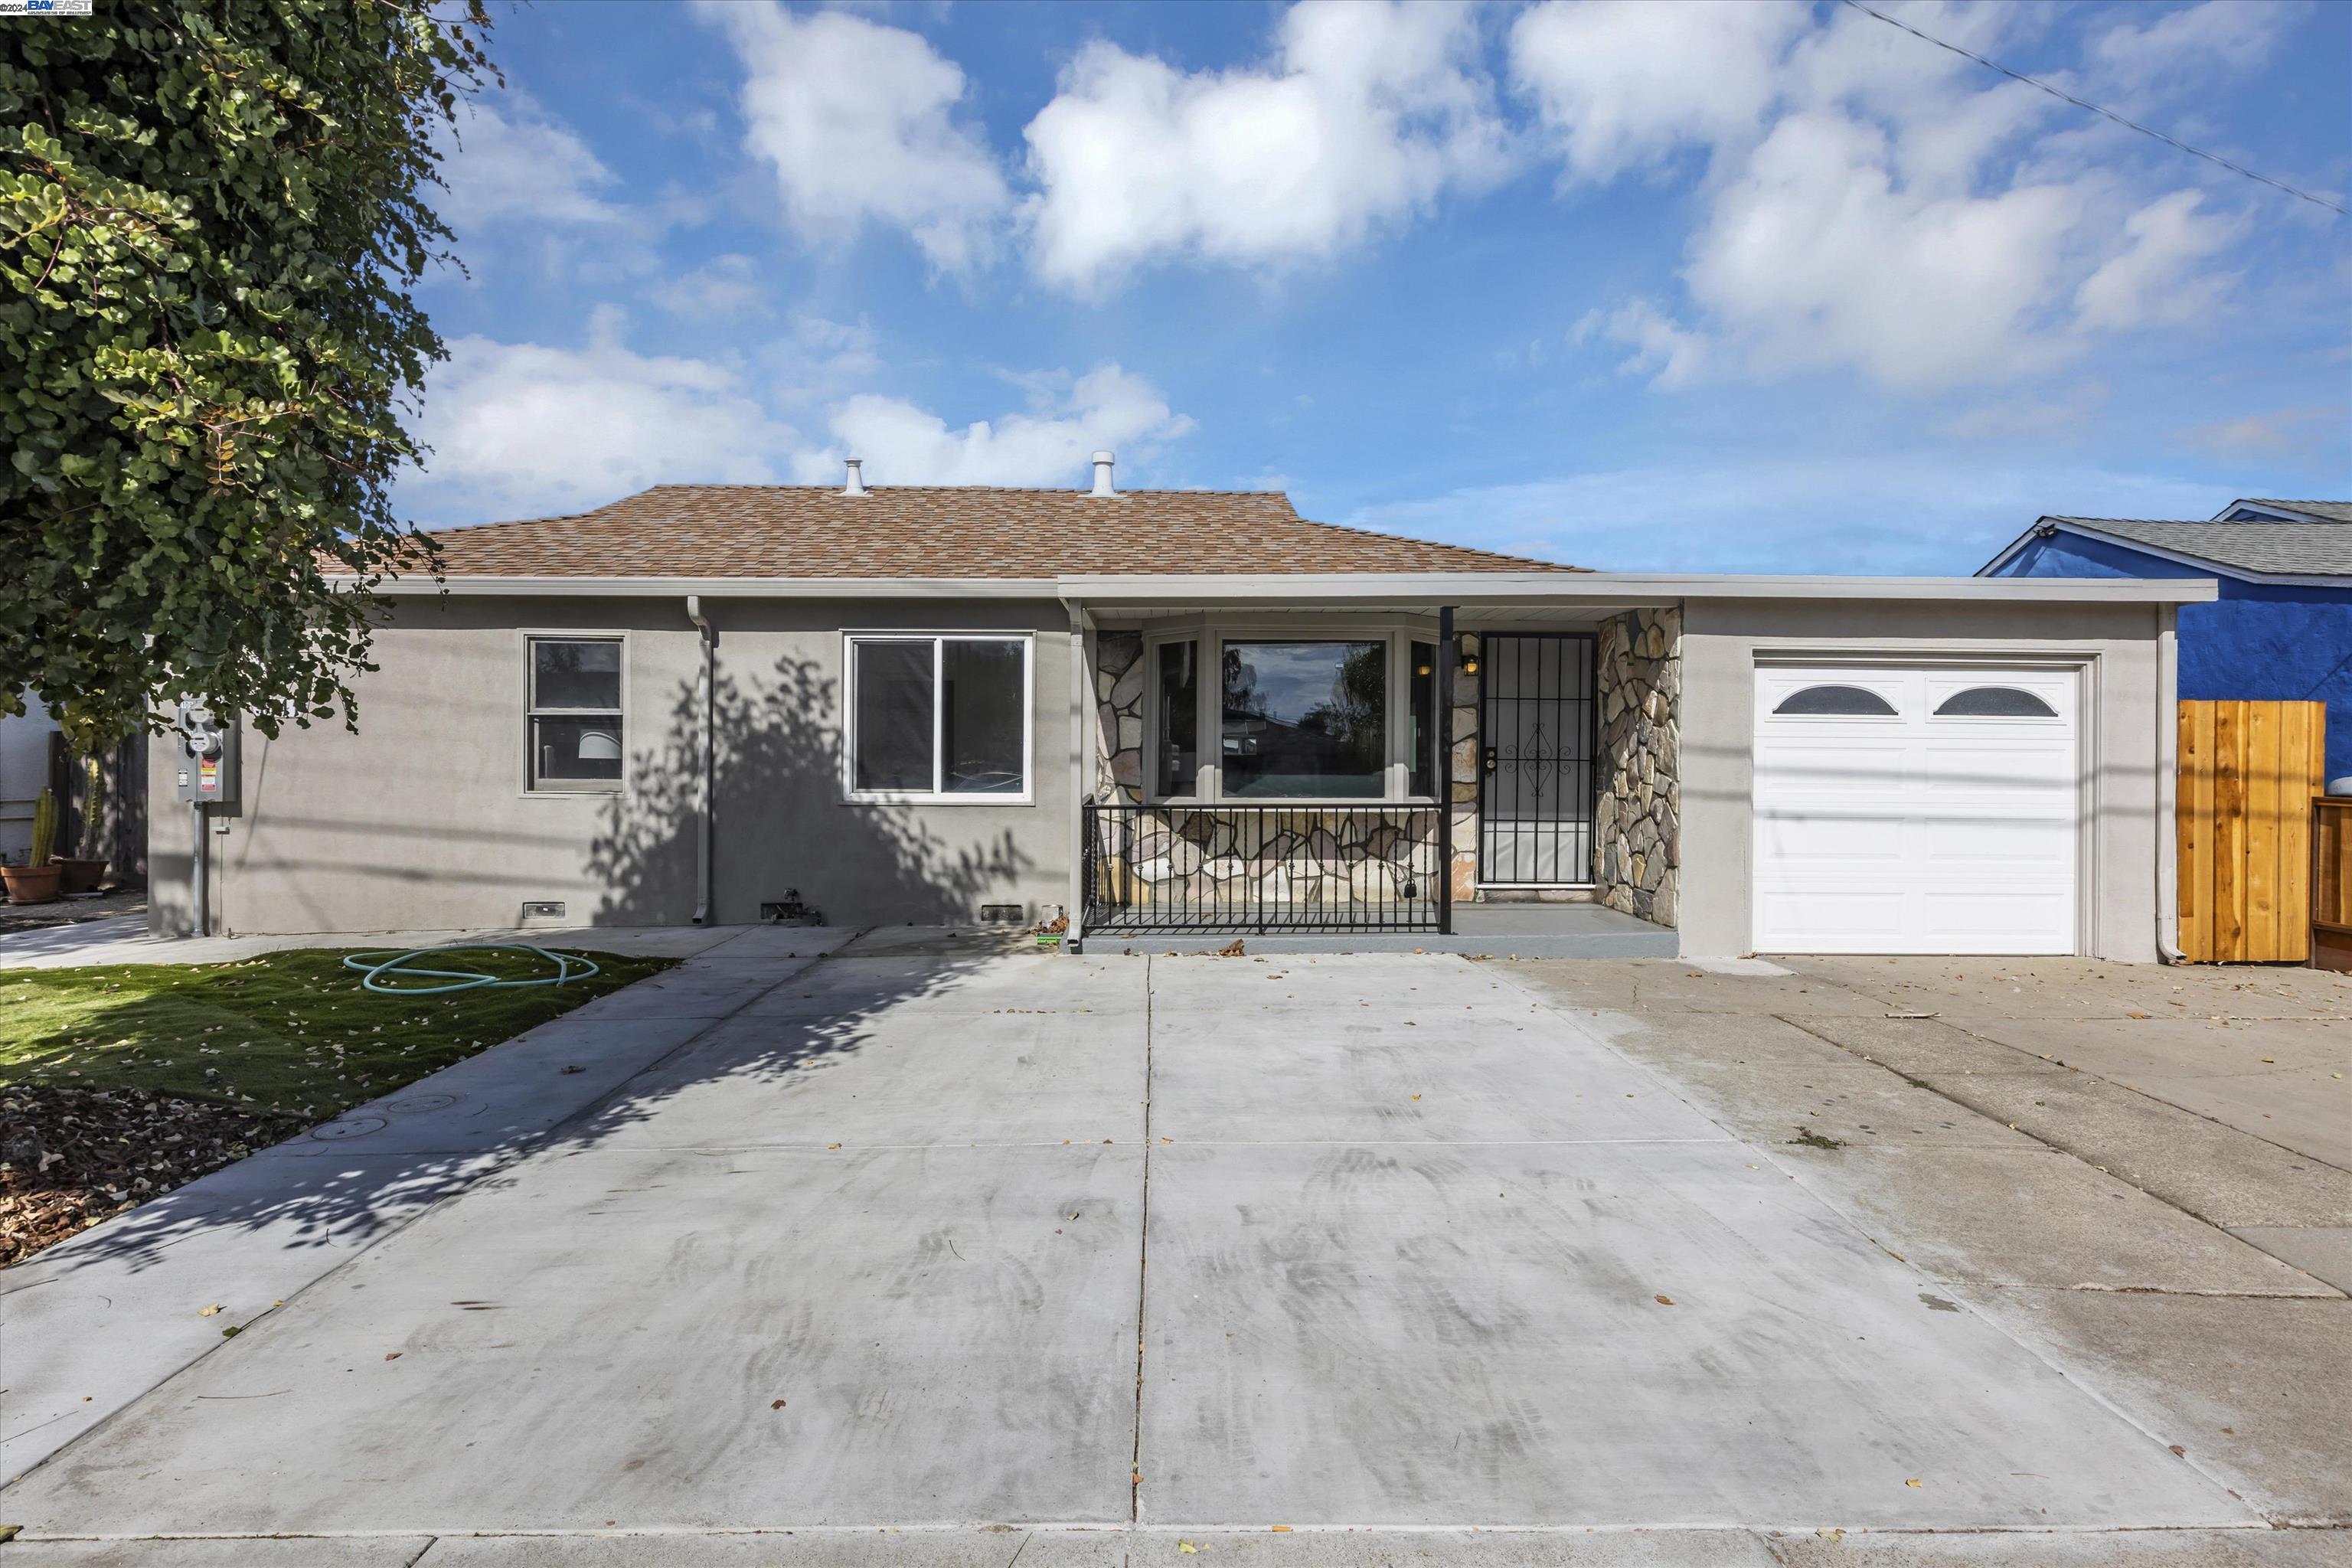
x=1361 y=779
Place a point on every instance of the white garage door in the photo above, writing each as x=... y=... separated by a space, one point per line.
x=1916 y=810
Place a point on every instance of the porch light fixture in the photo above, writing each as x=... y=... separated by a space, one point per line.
x=1424 y=666
x=1469 y=664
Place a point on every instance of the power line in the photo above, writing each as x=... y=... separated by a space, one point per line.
x=2111 y=114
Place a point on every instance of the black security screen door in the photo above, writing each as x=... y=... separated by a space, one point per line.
x=1538 y=720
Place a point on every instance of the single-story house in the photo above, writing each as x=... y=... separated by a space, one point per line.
x=2281 y=627
x=1196 y=711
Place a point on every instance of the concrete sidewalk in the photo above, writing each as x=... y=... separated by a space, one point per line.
x=1407 y=1248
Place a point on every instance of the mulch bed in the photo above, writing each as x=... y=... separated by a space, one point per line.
x=72 y=1157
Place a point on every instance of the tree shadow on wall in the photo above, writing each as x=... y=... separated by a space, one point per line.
x=778 y=822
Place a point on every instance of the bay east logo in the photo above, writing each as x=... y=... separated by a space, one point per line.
x=45 y=7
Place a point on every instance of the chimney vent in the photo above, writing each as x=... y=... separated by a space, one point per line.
x=857 y=485
x=1102 y=475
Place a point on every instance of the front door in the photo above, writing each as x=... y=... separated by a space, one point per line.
x=1536 y=723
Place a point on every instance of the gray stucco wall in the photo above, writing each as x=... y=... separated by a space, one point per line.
x=2119 y=644
x=420 y=821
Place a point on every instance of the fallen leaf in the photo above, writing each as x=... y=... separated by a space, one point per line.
x=1915 y=1481
x=833 y=1145
x=1663 y=1301
x=779 y=1405
x=392 y=1355
x=2135 y=1014
x=1282 y=1529
x=1187 y=1548
x=2179 y=1452
x=1416 y=1097
x=213 y=1311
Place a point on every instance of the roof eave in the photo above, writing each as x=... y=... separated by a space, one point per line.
x=1329 y=589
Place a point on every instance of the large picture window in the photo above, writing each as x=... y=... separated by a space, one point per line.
x=944 y=717
x=572 y=726
x=1305 y=720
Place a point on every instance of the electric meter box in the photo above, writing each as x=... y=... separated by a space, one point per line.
x=208 y=755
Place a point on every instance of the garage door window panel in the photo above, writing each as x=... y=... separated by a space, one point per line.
x=1839 y=702
x=1994 y=702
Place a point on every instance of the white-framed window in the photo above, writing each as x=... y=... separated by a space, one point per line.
x=575 y=735
x=940 y=717
x=1279 y=712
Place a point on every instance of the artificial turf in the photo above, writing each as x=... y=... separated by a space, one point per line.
x=288 y=1032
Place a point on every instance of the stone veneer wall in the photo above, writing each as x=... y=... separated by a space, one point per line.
x=1461 y=764
x=1119 y=712
x=1638 y=817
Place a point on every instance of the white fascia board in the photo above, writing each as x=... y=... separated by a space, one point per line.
x=1603 y=588
x=728 y=587
x=1348 y=589
x=2218 y=569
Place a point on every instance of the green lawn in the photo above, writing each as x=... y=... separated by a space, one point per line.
x=290 y=1032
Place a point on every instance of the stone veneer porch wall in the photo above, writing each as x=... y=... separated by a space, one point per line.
x=1638 y=816
x=1118 y=717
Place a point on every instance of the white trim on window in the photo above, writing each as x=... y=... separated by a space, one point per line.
x=1212 y=633
x=589 y=788
x=937 y=795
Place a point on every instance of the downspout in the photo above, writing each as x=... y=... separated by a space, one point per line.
x=2167 y=781
x=704 y=696
x=1082 y=762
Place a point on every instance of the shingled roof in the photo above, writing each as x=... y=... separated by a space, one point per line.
x=954 y=532
x=2276 y=549
x=2315 y=510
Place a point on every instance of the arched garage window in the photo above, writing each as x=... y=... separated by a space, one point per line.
x=1847 y=700
x=1994 y=702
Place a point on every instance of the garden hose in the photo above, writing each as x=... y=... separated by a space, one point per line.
x=376 y=965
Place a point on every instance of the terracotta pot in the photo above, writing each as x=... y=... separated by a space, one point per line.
x=79 y=874
x=30 y=884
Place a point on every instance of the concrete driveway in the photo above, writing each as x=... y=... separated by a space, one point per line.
x=918 y=1254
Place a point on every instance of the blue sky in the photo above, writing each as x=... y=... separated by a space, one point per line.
x=1766 y=286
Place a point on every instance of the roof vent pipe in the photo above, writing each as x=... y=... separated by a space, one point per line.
x=1102 y=475
x=857 y=485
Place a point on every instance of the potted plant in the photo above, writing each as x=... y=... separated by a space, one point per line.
x=82 y=873
x=35 y=881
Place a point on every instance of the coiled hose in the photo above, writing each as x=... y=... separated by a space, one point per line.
x=376 y=965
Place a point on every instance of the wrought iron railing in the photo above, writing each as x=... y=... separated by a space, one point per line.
x=1247 y=868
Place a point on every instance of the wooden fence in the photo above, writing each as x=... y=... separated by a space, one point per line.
x=2249 y=773
x=2331 y=883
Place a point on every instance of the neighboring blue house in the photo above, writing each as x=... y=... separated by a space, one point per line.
x=2282 y=626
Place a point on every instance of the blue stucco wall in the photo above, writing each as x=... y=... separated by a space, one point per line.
x=2260 y=641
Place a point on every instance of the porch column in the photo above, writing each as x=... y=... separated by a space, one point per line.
x=1440 y=766
x=1082 y=767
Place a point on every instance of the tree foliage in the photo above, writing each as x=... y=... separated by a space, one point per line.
x=212 y=213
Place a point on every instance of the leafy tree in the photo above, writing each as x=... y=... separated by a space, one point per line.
x=211 y=215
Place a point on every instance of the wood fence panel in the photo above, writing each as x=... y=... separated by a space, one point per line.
x=2248 y=773
x=2331 y=890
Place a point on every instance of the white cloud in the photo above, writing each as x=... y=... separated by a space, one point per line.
x=510 y=161
x=1622 y=83
x=1048 y=445
x=2182 y=48
x=523 y=429
x=1869 y=202
x=1364 y=116
x=724 y=286
x=858 y=122
x=2153 y=280
x=530 y=430
x=1661 y=350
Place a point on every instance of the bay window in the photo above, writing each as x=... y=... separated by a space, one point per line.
x=939 y=716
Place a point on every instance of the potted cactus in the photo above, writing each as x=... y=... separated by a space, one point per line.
x=35 y=881
x=82 y=873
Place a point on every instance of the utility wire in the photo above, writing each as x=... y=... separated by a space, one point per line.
x=2111 y=114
